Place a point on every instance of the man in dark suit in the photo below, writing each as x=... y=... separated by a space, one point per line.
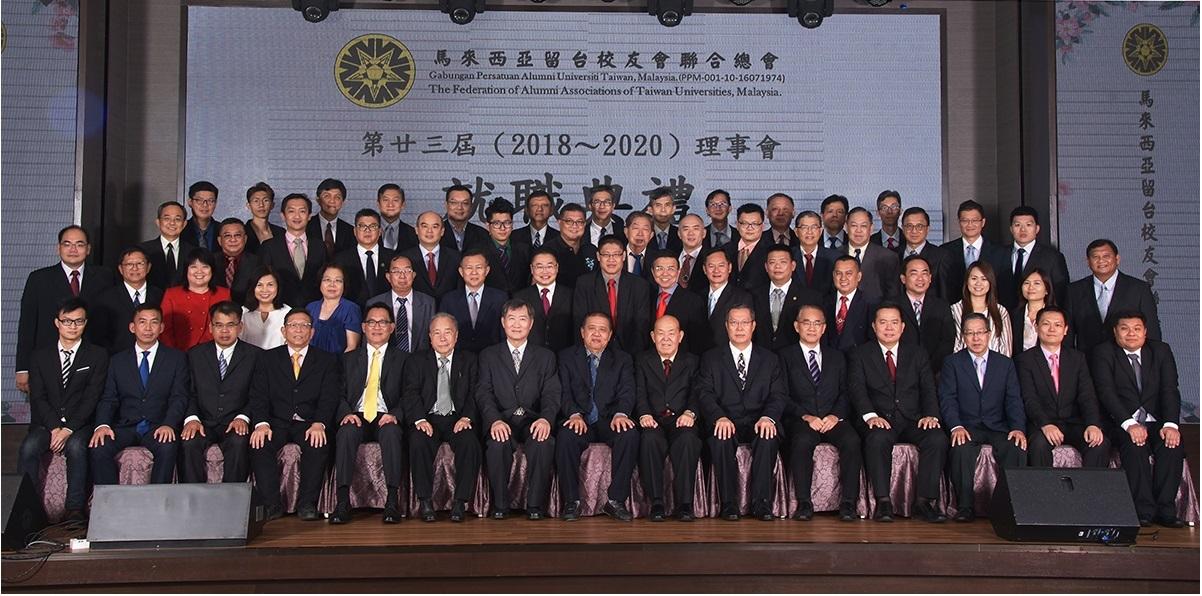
x=1137 y=385
x=601 y=201
x=598 y=404
x=508 y=260
x=1093 y=301
x=878 y=264
x=334 y=233
x=219 y=401
x=1028 y=254
x=686 y=307
x=296 y=256
x=638 y=249
x=371 y=409
x=65 y=383
x=893 y=391
x=365 y=265
x=663 y=380
x=780 y=211
x=1058 y=396
x=236 y=267
x=747 y=256
x=915 y=226
x=815 y=263
x=113 y=309
x=980 y=400
x=436 y=265
x=476 y=306
x=665 y=237
x=888 y=208
x=691 y=257
x=438 y=399
x=461 y=234
x=848 y=308
x=539 y=209
x=519 y=399
x=970 y=247
x=46 y=288
x=834 y=210
x=167 y=251
x=395 y=235
x=572 y=249
x=742 y=393
x=293 y=397
x=411 y=311
x=719 y=231
x=928 y=318
x=818 y=411
x=612 y=290
x=551 y=301
x=777 y=302
x=722 y=294
x=144 y=399
x=201 y=230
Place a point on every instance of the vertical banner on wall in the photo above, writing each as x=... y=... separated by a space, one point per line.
x=39 y=58
x=1127 y=137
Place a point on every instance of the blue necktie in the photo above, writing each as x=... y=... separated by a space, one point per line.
x=144 y=369
x=593 y=414
x=222 y=365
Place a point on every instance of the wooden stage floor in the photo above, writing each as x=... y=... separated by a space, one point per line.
x=601 y=555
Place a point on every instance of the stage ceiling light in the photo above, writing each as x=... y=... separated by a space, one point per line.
x=670 y=12
x=878 y=3
x=461 y=11
x=315 y=11
x=810 y=13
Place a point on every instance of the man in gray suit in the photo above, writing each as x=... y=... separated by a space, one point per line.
x=411 y=310
x=878 y=264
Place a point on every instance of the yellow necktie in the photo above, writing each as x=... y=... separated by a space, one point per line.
x=296 y=356
x=371 y=394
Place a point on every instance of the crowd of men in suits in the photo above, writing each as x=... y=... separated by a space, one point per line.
x=667 y=338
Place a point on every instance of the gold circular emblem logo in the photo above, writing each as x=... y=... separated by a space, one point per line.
x=374 y=70
x=1145 y=49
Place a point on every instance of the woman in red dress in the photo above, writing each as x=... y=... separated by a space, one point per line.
x=186 y=306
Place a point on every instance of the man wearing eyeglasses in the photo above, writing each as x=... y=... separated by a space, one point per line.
x=719 y=231
x=114 y=308
x=613 y=290
x=366 y=265
x=916 y=223
x=888 y=208
x=576 y=255
x=411 y=310
x=601 y=200
x=66 y=380
x=461 y=234
x=200 y=230
x=45 y=288
x=508 y=261
x=748 y=254
x=236 y=266
x=815 y=262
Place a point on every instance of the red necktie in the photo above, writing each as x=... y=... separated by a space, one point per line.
x=809 y=270
x=891 y=245
x=613 y=299
x=891 y=365
x=75 y=283
x=431 y=269
x=546 y=301
x=686 y=271
x=663 y=305
x=841 y=316
x=231 y=268
x=329 y=241
x=667 y=367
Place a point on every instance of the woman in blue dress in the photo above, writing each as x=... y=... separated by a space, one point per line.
x=337 y=322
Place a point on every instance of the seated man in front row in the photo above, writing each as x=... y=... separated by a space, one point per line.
x=293 y=397
x=893 y=391
x=598 y=402
x=1137 y=384
x=144 y=400
x=980 y=400
x=742 y=392
x=65 y=381
x=370 y=410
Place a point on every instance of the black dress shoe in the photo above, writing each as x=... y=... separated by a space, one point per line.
x=1170 y=521
x=617 y=510
x=729 y=513
x=499 y=514
x=308 y=513
x=805 y=512
x=571 y=511
x=271 y=512
x=427 y=510
x=657 y=513
x=684 y=513
x=847 y=512
x=457 y=511
x=884 y=511
x=928 y=511
x=392 y=513
x=965 y=515
x=763 y=512
x=341 y=514
x=533 y=514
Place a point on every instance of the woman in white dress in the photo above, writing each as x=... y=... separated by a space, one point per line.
x=980 y=296
x=264 y=312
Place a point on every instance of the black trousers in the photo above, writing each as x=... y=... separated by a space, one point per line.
x=1039 y=450
x=963 y=462
x=682 y=445
x=539 y=457
x=802 y=441
x=726 y=467
x=624 y=453
x=104 y=457
x=932 y=454
x=313 y=463
x=422 y=450
x=235 y=451
x=1154 y=487
x=37 y=443
x=346 y=451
